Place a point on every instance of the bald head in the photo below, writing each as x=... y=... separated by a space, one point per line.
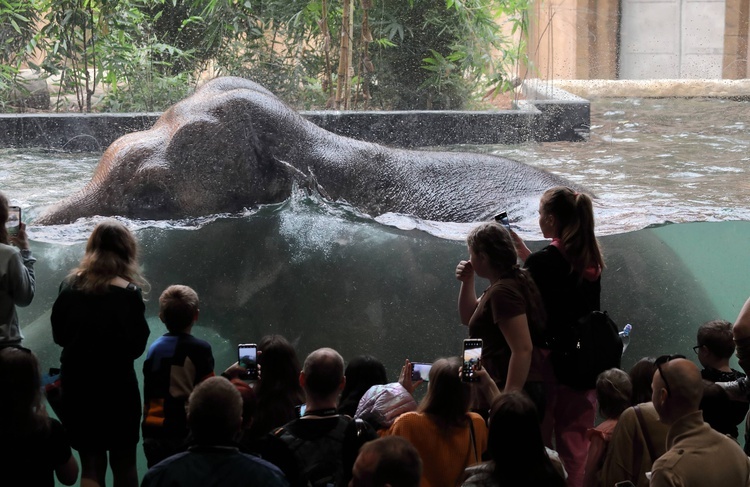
x=323 y=372
x=677 y=389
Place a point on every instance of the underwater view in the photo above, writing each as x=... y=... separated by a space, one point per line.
x=673 y=216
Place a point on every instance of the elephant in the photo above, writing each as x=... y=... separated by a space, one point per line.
x=232 y=144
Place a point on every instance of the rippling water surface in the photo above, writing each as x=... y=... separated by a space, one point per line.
x=649 y=161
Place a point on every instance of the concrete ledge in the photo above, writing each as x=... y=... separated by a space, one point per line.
x=658 y=88
x=546 y=115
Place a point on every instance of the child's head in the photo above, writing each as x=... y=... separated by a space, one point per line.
x=178 y=307
x=715 y=337
x=613 y=391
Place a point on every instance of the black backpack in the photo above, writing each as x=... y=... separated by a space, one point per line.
x=594 y=346
x=319 y=461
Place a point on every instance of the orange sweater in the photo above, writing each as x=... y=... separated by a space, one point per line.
x=445 y=454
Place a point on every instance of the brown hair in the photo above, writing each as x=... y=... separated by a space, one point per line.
x=448 y=398
x=574 y=220
x=21 y=402
x=111 y=251
x=178 y=305
x=4 y=211
x=495 y=241
x=717 y=337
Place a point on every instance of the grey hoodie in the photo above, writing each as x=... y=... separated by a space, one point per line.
x=16 y=289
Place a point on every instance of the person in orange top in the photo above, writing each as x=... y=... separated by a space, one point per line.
x=447 y=436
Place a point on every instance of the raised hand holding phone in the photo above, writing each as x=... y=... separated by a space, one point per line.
x=472 y=359
x=247 y=357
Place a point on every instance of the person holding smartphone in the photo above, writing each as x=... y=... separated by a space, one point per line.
x=17 y=283
x=568 y=275
x=508 y=316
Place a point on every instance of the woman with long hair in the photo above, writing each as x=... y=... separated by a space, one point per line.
x=568 y=275
x=515 y=448
x=34 y=448
x=98 y=319
x=16 y=277
x=278 y=391
x=447 y=436
x=362 y=372
x=508 y=317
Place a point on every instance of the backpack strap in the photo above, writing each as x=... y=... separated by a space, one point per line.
x=472 y=440
x=644 y=430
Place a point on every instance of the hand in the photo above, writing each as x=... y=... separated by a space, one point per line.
x=237 y=371
x=464 y=271
x=521 y=248
x=20 y=240
x=404 y=377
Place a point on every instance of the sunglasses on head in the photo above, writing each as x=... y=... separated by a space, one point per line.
x=661 y=361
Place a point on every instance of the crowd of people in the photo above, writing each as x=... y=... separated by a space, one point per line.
x=525 y=420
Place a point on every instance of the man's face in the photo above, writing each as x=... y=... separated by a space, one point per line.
x=364 y=470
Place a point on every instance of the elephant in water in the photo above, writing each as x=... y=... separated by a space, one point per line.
x=233 y=144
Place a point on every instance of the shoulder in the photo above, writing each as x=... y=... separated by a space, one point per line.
x=477 y=420
x=408 y=421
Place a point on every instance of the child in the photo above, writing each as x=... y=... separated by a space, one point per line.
x=175 y=364
x=715 y=347
x=34 y=448
x=613 y=392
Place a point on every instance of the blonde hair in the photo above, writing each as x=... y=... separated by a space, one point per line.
x=111 y=251
x=574 y=220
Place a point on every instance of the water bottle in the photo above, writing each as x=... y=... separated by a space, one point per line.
x=625 y=336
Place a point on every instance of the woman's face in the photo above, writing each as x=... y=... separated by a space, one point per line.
x=546 y=222
x=478 y=262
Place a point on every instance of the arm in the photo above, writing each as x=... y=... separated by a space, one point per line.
x=59 y=319
x=516 y=333
x=21 y=277
x=741 y=327
x=521 y=249
x=467 y=295
x=140 y=330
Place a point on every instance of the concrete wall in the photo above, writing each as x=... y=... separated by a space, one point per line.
x=639 y=39
x=672 y=39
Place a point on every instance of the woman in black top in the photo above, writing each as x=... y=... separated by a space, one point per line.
x=568 y=275
x=98 y=319
x=34 y=447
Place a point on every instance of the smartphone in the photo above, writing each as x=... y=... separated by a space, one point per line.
x=14 y=220
x=247 y=356
x=502 y=218
x=420 y=371
x=300 y=408
x=472 y=359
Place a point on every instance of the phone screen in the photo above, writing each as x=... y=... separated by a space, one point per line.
x=420 y=371
x=247 y=356
x=471 y=359
x=502 y=218
x=14 y=220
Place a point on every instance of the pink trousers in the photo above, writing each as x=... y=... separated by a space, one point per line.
x=569 y=414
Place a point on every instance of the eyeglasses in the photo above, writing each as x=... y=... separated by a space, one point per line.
x=661 y=361
x=697 y=348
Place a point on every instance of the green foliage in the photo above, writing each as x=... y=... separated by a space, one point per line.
x=147 y=54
